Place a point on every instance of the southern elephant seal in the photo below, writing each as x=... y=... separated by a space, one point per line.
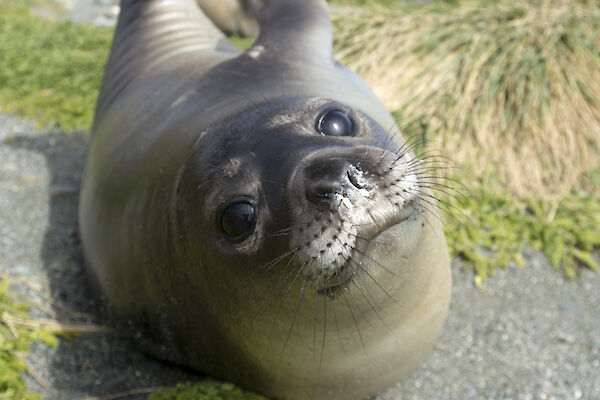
x=250 y=215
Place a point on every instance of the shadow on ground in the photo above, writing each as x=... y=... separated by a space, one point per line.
x=94 y=364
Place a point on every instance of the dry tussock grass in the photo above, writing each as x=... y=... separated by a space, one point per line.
x=511 y=89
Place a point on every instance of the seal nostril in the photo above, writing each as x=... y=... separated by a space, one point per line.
x=354 y=180
x=322 y=190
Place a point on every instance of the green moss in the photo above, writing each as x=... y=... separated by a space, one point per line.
x=488 y=229
x=50 y=71
x=205 y=390
x=11 y=365
x=240 y=42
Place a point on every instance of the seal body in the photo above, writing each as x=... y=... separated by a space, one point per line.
x=254 y=215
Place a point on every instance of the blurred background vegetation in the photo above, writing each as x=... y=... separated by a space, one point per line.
x=508 y=92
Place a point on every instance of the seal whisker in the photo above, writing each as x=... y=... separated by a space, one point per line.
x=392 y=132
x=427 y=174
x=426 y=205
x=439 y=171
x=369 y=257
x=265 y=268
x=331 y=296
x=389 y=140
x=412 y=143
x=424 y=160
x=316 y=296
x=429 y=170
x=366 y=272
x=432 y=156
x=324 y=332
x=430 y=182
x=429 y=164
x=355 y=283
x=429 y=205
x=450 y=192
x=287 y=339
x=362 y=342
x=273 y=262
x=440 y=203
x=383 y=153
x=280 y=282
x=280 y=234
x=285 y=296
x=367 y=293
x=429 y=153
x=447 y=190
x=424 y=155
x=437 y=178
x=286 y=231
x=367 y=296
x=406 y=143
x=406 y=147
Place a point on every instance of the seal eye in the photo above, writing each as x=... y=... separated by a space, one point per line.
x=335 y=123
x=238 y=220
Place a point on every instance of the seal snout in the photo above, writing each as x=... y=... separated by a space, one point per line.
x=330 y=182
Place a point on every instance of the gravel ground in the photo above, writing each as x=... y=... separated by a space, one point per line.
x=530 y=334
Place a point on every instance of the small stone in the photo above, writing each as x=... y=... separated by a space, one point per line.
x=255 y=51
x=565 y=337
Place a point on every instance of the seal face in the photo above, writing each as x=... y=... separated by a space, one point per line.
x=326 y=195
x=251 y=215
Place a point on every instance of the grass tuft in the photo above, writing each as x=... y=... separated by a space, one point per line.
x=506 y=88
x=15 y=341
x=206 y=390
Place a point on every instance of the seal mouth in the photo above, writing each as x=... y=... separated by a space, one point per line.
x=360 y=258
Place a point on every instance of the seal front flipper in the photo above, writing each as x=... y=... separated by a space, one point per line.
x=159 y=37
x=296 y=30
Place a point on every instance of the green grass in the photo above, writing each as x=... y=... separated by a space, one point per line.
x=12 y=346
x=241 y=42
x=205 y=390
x=49 y=71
